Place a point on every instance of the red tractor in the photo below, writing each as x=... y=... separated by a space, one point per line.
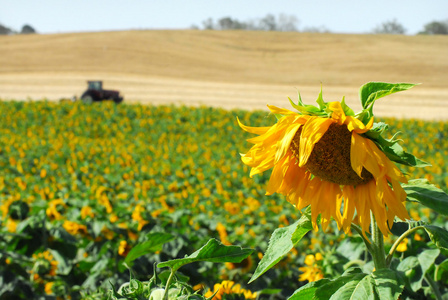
x=96 y=93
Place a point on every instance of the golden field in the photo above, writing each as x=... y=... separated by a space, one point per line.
x=230 y=69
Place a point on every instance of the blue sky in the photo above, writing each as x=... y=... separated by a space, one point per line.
x=341 y=16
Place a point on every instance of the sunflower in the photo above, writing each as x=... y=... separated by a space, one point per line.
x=334 y=161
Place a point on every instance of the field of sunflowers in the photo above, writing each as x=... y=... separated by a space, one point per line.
x=81 y=185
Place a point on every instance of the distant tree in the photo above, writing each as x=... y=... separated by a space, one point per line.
x=390 y=27
x=228 y=23
x=27 y=29
x=268 y=23
x=436 y=27
x=314 y=29
x=287 y=23
x=5 y=30
x=208 y=24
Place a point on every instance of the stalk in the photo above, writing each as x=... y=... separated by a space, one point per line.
x=168 y=283
x=398 y=241
x=434 y=286
x=378 y=253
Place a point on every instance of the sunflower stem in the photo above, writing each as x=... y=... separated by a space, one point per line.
x=398 y=241
x=434 y=286
x=168 y=283
x=361 y=234
x=378 y=253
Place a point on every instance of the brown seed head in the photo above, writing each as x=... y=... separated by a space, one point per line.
x=330 y=159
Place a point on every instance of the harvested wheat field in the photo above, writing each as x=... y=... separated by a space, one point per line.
x=229 y=69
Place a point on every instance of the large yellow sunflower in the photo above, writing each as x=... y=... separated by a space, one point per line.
x=333 y=160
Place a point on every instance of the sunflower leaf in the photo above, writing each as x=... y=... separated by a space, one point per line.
x=154 y=243
x=308 y=290
x=438 y=236
x=392 y=149
x=372 y=91
x=381 y=284
x=213 y=251
x=281 y=242
x=420 y=190
x=398 y=155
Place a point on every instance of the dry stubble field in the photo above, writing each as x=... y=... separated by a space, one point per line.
x=230 y=69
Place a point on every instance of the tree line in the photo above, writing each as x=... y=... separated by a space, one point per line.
x=285 y=22
x=26 y=29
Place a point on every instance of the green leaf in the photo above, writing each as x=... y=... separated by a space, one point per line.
x=438 y=236
x=281 y=242
x=396 y=153
x=410 y=267
x=331 y=290
x=442 y=271
x=154 y=243
x=359 y=288
x=391 y=148
x=388 y=283
x=308 y=290
x=381 y=284
x=372 y=91
x=427 y=259
x=420 y=190
x=213 y=251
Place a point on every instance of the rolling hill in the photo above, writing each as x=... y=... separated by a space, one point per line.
x=229 y=69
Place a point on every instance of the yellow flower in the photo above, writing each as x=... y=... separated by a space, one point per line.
x=48 y=288
x=86 y=211
x=228 y=287
x=74 y=228
x=403 y=246
x=222 y=233
x=44 y=265
x=123 y=248
x=311 y=271
x=54 y=209
x=325 y=161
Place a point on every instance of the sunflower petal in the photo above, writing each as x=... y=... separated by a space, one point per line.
x=277 y=175
x=312 y=132
x=255 y=130
x=286 y=141
x=357 y=153
x=281 y=111
x=354 y=124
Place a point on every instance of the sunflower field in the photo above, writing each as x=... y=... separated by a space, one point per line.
x=81 y=186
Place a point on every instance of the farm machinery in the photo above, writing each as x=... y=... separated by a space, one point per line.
x=96 y=93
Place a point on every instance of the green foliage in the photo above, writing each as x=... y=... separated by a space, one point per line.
x=282 y=241
x=420 y=190
x=81 y=182
x=213 y=251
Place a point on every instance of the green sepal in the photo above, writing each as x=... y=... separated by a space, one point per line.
x=320 y=100
x=347 y=110
x=278 y=116
x=306 y=109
